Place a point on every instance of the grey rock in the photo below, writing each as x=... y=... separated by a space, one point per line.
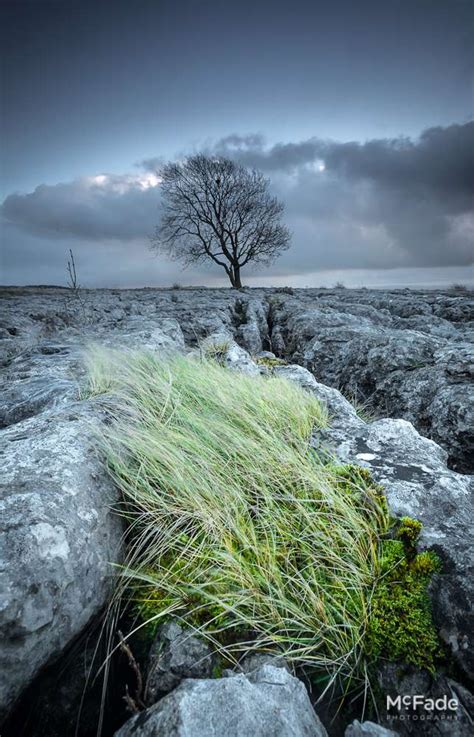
x=444 y=722
x=341 y=413
x=368 y=729
x=239 y=360
x=59 y=537
x=265 y=354
x=65 y=699
x=25 y=398
x=268 y=702
x=407 y=351
x=175 y=654
x=233 y=355
x=253 y=661
x=164 y=335
x=251 y=324
x=412 y=356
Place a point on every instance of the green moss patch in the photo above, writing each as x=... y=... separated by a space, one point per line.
x=400 y=625
x=271 y=362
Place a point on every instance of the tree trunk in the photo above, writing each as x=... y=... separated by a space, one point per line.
x=235 y=278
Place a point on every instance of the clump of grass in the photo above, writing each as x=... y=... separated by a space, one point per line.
x=216 y=351
x=364 y=408
x=235 y=525
x=100 y=380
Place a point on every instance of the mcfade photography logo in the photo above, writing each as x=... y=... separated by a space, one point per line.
x=417 y=707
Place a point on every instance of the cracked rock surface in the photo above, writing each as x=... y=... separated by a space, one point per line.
x=268 y=702
x=409 y=353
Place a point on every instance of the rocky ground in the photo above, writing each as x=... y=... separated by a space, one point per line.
x=405 y=358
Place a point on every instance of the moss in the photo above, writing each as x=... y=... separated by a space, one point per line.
x=217 y=669
x=400 y=626
x=408 y=533
x=270 y=362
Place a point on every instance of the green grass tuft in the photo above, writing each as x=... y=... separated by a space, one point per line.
x=239 y=529
x=235 y=525
x=216 y=351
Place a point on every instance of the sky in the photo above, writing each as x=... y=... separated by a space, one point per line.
x=360 y=114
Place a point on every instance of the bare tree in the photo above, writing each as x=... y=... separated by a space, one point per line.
x=215 y=209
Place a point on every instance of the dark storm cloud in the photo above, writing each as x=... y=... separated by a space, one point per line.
x=90 y=208
x=382 y=203
x=442 y=159
x=415 y=198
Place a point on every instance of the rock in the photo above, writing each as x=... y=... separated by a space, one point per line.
x=251 y=324
x=66 y=698
x=408 y=352
x=372 y=351
x=265 y=354
x=25 y=398
x=340 y=411
x=59 y=538
x=165 y=336
x=445 y=720
x=268 y=702
x=239 y=360
x=230 y=354
x=253 y=661
x=417 y=483
x=175 y=654
x=367 y=729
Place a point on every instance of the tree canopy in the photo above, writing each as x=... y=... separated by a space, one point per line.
x=215 y=209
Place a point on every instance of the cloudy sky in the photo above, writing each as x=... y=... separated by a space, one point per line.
x=360 y=113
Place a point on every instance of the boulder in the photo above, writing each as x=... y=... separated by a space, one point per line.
x=453 y=719
x=59 y=539
x=341 y=412
x=164 y=335
x=223 y=347
x=268 y=702
x=175 y=654
x=412 y=357
x=25 y=398
x=255 y=660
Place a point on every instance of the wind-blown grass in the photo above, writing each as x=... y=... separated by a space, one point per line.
x=236 y=526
